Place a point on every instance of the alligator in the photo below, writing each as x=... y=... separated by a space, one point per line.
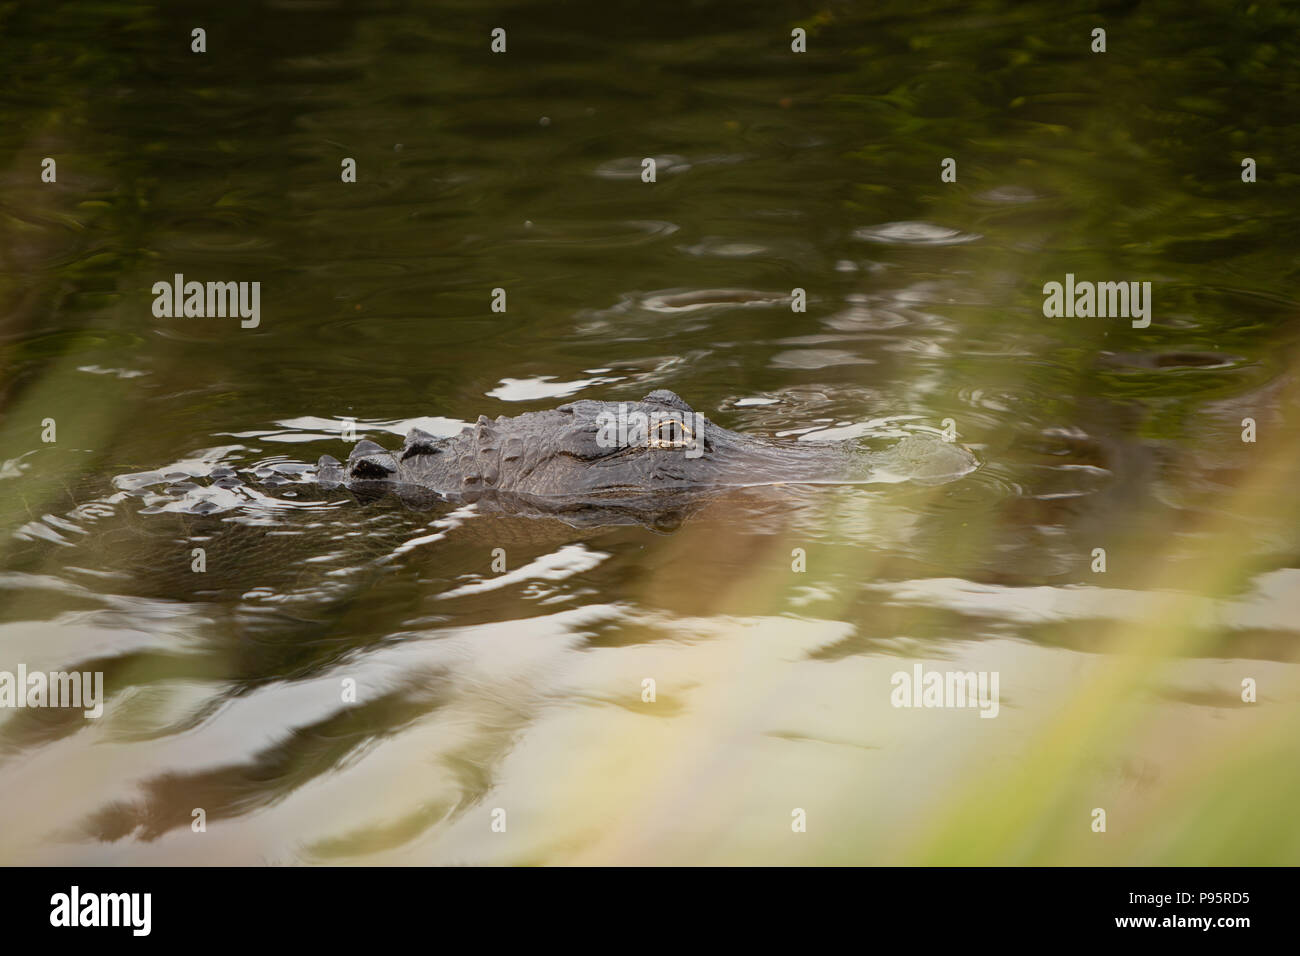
x=276 y=530
x=655 y=455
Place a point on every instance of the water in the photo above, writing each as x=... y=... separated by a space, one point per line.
x=480 y=690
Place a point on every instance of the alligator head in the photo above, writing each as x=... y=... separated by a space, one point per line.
x=622 y=454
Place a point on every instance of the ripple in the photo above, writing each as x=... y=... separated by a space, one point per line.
x=788 y=408
x=884 y=310
x=1172 y=359
x=119 y=372
x=817 y=358
x=725 y=248
x=15 y=467
x=1008 y=195
x=216 y=243
x=599 y=232
x=862 y=317
x=638 y=315
x=675 y=300
x=569 y=561
x=1003 y=402
x=542 y=386
x=311 y=428
x=914 y=234
x=629 y=167
x=168 y=490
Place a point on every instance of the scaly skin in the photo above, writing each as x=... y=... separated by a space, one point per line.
x=557 y=458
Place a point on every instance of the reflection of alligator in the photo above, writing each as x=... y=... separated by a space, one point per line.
x=622 y=456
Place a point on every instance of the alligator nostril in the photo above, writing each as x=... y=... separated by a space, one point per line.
x=372 y=467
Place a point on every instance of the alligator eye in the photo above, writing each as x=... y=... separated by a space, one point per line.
x=670 y=433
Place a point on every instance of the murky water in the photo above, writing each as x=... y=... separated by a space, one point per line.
x=500 y=662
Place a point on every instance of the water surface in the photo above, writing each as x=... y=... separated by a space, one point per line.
x=523 y=690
